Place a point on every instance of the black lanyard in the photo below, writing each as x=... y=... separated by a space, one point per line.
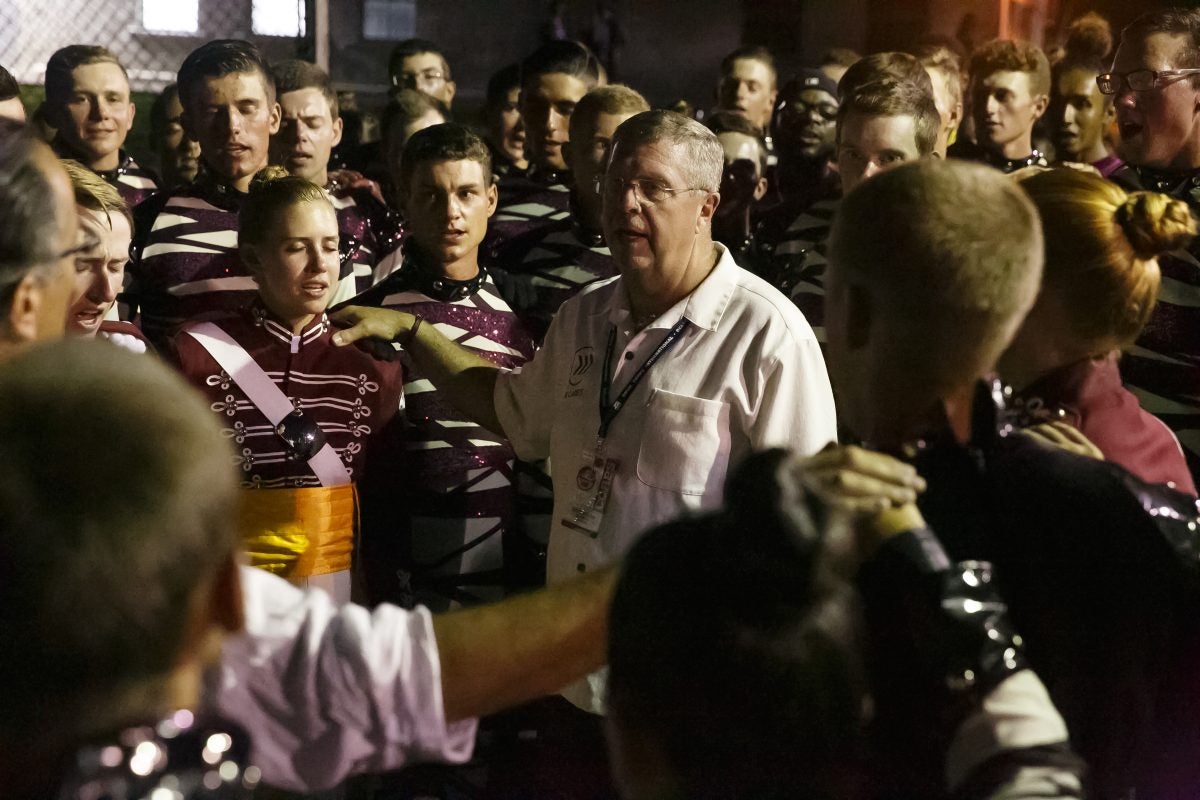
x=608 y=412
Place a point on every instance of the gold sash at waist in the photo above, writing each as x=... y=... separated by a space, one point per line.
x=298 y=533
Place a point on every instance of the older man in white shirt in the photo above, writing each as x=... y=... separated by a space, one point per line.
x=650 y=385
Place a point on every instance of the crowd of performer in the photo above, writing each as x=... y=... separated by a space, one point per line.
x=836 y=441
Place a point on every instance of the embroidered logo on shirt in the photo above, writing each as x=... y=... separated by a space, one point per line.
x=584 y=357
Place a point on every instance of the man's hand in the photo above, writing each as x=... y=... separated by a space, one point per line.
x=871 y=497
x=376 y=323
x=858 y=482
x=1064 y=436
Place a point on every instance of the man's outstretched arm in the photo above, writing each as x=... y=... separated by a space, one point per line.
x=466 y=379
x=533 y=645
x=328 y=691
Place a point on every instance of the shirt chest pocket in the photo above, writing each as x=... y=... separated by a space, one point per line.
x=685 y=444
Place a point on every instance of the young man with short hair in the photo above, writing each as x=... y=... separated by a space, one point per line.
x=553 y=80
x=420 y=64
x=178 y=153
x=88 y=101
x=543 y=268
x=185 y=261
x=1010 y=90
x=748 y=85
x=442 y=509
x=880 y=125
x=100 y=271
x=309 y=129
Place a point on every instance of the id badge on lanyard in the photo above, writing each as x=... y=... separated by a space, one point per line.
x=596 y=472
x=593 y=486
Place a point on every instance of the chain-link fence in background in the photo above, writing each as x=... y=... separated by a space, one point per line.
x=151 y=37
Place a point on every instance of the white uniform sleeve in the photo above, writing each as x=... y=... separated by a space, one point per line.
x=796 y=410
x=1019 y=739
x=326 y=692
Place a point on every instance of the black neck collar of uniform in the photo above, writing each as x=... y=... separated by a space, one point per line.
x=590 y=238
x=1007 y=165
x=218 y=190
x=430 y=280
x=1172 y=182
x=124 y=161
x=548 y=176
x=990 y=422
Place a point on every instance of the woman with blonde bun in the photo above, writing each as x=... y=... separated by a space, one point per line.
x=1099 y=287
x=302 y=414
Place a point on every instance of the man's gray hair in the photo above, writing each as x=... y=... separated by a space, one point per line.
x=28 y=216
x=703 y=163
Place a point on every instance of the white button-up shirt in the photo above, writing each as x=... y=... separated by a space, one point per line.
x=328 y=691
x=746 y=374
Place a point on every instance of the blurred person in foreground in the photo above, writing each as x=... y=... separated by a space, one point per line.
x=749 y=681
x=1097 y=566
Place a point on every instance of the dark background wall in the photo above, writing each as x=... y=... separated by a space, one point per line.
x=672 y=48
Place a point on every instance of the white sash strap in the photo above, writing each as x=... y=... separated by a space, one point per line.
x=264 y=394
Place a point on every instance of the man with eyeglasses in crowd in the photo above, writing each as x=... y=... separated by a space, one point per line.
x=1155 y=83
x=648 y=388
x=420 y=64
x=804 y=125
